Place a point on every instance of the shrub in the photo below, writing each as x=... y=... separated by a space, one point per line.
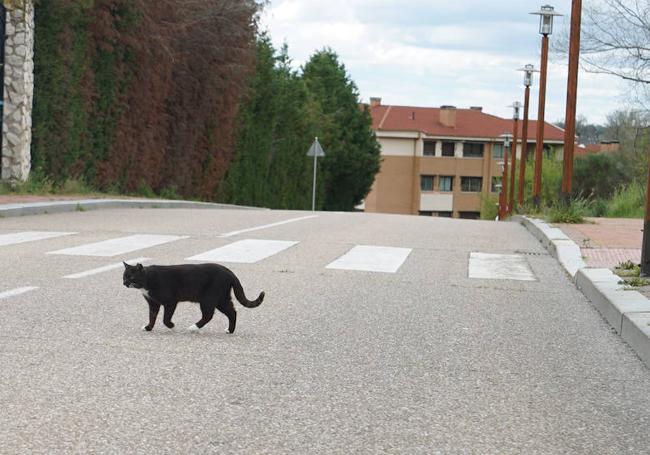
x=598 y=175
x=489 y=208
x=627 y=202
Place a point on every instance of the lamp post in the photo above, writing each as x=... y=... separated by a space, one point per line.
x=546 y=15
x=499 y=186
x=516 y=106
x=645 y=248
x=572 y=92
x=503 y=212
x=528 y=81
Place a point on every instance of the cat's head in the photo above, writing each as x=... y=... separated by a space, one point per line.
x=134 y=276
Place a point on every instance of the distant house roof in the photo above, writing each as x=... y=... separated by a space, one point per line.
x=603 y=147
x=470 y=123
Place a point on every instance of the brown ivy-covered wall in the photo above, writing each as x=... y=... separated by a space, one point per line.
x=140 y=94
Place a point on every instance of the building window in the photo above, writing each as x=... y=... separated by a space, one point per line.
x=429 y=148
x=496 y=184
x=471 y=184
x=426 y=182
x=470 y=215
x=446 y=183
x=497 y=151
x=444 y=214
x=425 y=213
x=473 y=150
x=448 y=149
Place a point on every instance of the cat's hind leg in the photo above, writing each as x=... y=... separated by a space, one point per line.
x=169 y=313
x=153 y=314
x=207 y=311
x=227 y=308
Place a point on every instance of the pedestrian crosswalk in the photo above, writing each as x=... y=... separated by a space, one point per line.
x=356 y=258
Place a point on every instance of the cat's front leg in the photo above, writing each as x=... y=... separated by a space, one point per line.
x=169 y=313
x=153 y=314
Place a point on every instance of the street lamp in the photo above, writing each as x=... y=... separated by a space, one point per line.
x=516 y=106
x=571 y=100
x=528 y=81
x=503 y=212
x=499 y=188
x=546 y=15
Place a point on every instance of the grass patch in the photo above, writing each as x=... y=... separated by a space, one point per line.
x=627 y=202
x=635 y=282
x=573 y=211
x=74 y=187
x=628 y=269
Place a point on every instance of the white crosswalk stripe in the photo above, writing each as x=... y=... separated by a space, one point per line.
x=29 y=236
x=372 y=259
x=500 y=267
x=17 y=291
x=244 y=251
x=120 y=245
x=106 y=268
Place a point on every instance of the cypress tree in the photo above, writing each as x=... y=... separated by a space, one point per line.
x=352 y=151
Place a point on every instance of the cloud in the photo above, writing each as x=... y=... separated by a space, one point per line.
x=433 y=52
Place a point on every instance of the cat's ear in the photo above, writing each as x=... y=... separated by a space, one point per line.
x=139 y=266
x=126 y=266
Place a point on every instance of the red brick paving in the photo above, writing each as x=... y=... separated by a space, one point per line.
x=606 y=242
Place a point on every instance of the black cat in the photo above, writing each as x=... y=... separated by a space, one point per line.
x=207 y=284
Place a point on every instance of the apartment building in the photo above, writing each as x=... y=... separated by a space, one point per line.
x=438 y=161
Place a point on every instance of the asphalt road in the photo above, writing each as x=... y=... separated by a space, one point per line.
x=423 y=360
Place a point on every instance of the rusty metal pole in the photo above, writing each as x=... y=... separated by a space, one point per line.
x=571 y=100
x=524 y=147
x=645 y=248
x=513 y=155
x=505 y=182
x=539 y=145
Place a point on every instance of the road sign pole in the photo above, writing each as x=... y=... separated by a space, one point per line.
x=313 y=194
x=315 y=150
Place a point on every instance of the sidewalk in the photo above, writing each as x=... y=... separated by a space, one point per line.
x=20 y=205
x=606 y=242
x=26 y=198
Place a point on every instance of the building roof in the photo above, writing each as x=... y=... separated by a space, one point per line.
x=603 y=147
x=470 y=123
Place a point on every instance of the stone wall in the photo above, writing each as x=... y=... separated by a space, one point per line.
x=18 y=91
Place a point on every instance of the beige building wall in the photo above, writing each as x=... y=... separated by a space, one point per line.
x=397 y=186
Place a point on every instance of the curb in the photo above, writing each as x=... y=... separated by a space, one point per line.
x=40 y=208
x=556 y=242
x=628 y=312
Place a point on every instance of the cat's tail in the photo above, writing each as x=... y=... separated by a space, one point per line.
x=239 y=293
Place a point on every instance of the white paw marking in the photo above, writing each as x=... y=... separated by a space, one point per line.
x=144 y=328
x=193 y=328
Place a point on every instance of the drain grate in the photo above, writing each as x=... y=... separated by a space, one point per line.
x=530 y=253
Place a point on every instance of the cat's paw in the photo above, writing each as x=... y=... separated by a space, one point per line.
x=146 y=328
x=170 y=326
x=193 y=328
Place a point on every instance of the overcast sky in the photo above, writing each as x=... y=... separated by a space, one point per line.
x=434 y=52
